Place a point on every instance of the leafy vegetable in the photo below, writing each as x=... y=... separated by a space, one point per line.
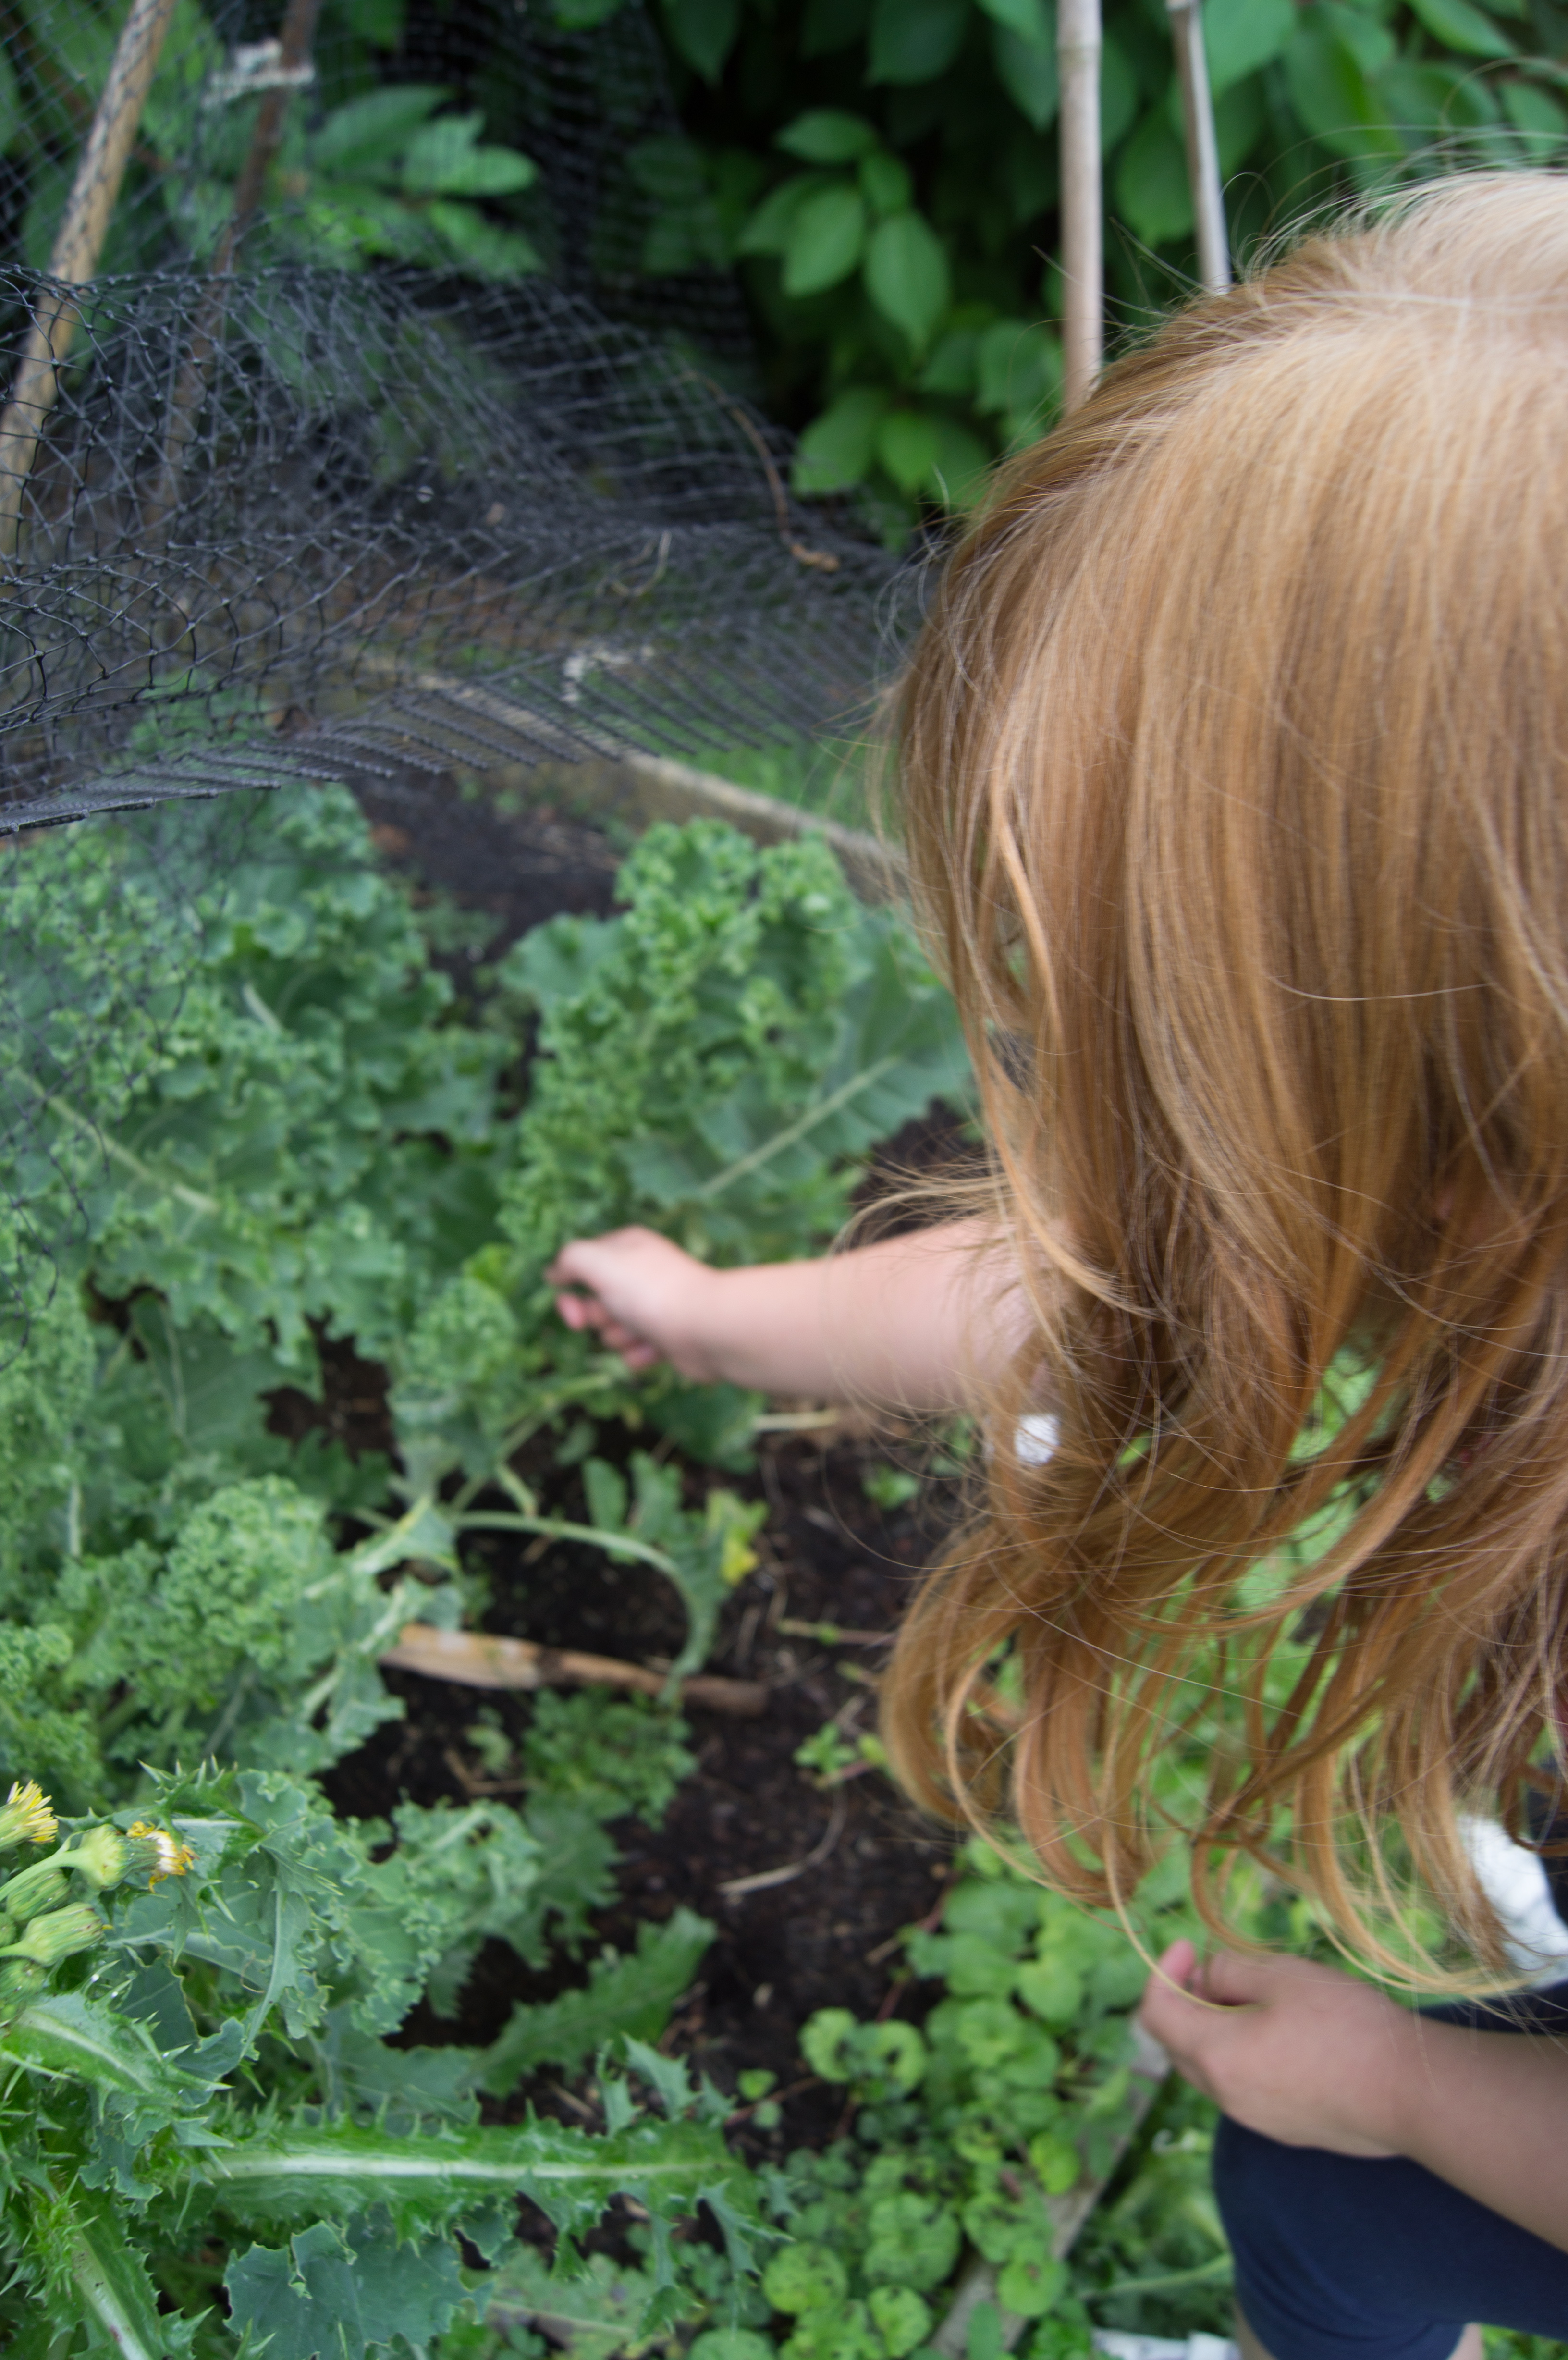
x=135 y=2091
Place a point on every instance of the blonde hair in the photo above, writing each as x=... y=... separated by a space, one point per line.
x=1235 y=764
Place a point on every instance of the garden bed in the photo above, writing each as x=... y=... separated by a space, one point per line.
x=827 y=1936
x=304 y=1419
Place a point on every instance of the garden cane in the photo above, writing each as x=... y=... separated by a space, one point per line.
x=79 y=243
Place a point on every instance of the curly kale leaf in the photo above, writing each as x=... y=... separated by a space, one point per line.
x=621 y=1754
x=268 y=1118
x=669 y=1034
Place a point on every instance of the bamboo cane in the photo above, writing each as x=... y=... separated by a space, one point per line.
x=74 y=261
x=295 y=40
x=1203 y=154
x=478 y=1660
x=1082 y=256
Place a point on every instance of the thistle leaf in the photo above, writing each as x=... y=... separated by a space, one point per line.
x=626 y=1993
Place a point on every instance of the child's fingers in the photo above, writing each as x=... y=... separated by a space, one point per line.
x=574 y=1266
x=1233 y=1981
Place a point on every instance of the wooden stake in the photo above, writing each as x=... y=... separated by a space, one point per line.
x=479 y=1661
x=1082 y=254
x=1203 y=154
x=74 y=262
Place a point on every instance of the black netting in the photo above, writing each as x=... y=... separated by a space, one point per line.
x=395 y=514
x=380 y=413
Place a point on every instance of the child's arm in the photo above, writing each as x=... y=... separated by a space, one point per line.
x=906 y=1323
x=1310 y=2056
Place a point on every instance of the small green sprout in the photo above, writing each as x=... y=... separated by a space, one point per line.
x=889 y=1488
x=828 y=1756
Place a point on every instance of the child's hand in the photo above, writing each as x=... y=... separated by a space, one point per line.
x=1298 y=2051
x=648 y=1299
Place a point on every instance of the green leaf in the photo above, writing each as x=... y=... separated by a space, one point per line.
x=286 y=2172
x=901 y=2317
x=324 y=2293
x=1028 y=19
x=768 y=232
x=365 y=138
x=626 y=1993
x=1459 y=26
x=110 y=2281
x=915 y=40
x=825 y=135
x=483 y=246
x=836 y=450
x=379 y=22
x=583 y=15
x=1329 y=92
x=905 y=444
x=825 y=240
x=595 y=2312
x=606 y=1489
x=1018 y=367
x=703 y=32
x=1120 y=94
x=1051 y=1988
x=1535 y=112
x=66 y=2036
x=1368 y=40
x=1152 y=186
x=907 y=276
x=1026 y=71
x=10 y=103
x=444 y=158
x=805 y=2277
x=1031 y=2287
x=962 y=466
x=1240 y=35
x=886 y=183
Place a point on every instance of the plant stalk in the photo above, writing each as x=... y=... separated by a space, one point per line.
x=74 y=261
x=1082 y=235
x=1202 y=152
x=478 y=1660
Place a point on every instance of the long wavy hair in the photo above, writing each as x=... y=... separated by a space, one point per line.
x=1235 y=775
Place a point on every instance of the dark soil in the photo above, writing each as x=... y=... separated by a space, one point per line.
x=827 y=1936
x=512 y=865
x=864 y=1863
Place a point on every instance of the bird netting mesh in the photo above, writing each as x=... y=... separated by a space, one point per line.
x=346 y=438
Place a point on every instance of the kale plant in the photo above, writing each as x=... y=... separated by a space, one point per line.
x=251 y=1099
x=715 y=1060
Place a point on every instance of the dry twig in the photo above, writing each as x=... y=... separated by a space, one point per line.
x=478 y=1660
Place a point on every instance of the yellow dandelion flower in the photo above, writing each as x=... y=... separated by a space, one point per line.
x=161 y=1856
x=27 y=1816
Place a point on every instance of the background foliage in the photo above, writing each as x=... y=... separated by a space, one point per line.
x=884 y=175
x=881 y=174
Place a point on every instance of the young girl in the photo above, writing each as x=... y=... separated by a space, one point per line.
x=1234 y=767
